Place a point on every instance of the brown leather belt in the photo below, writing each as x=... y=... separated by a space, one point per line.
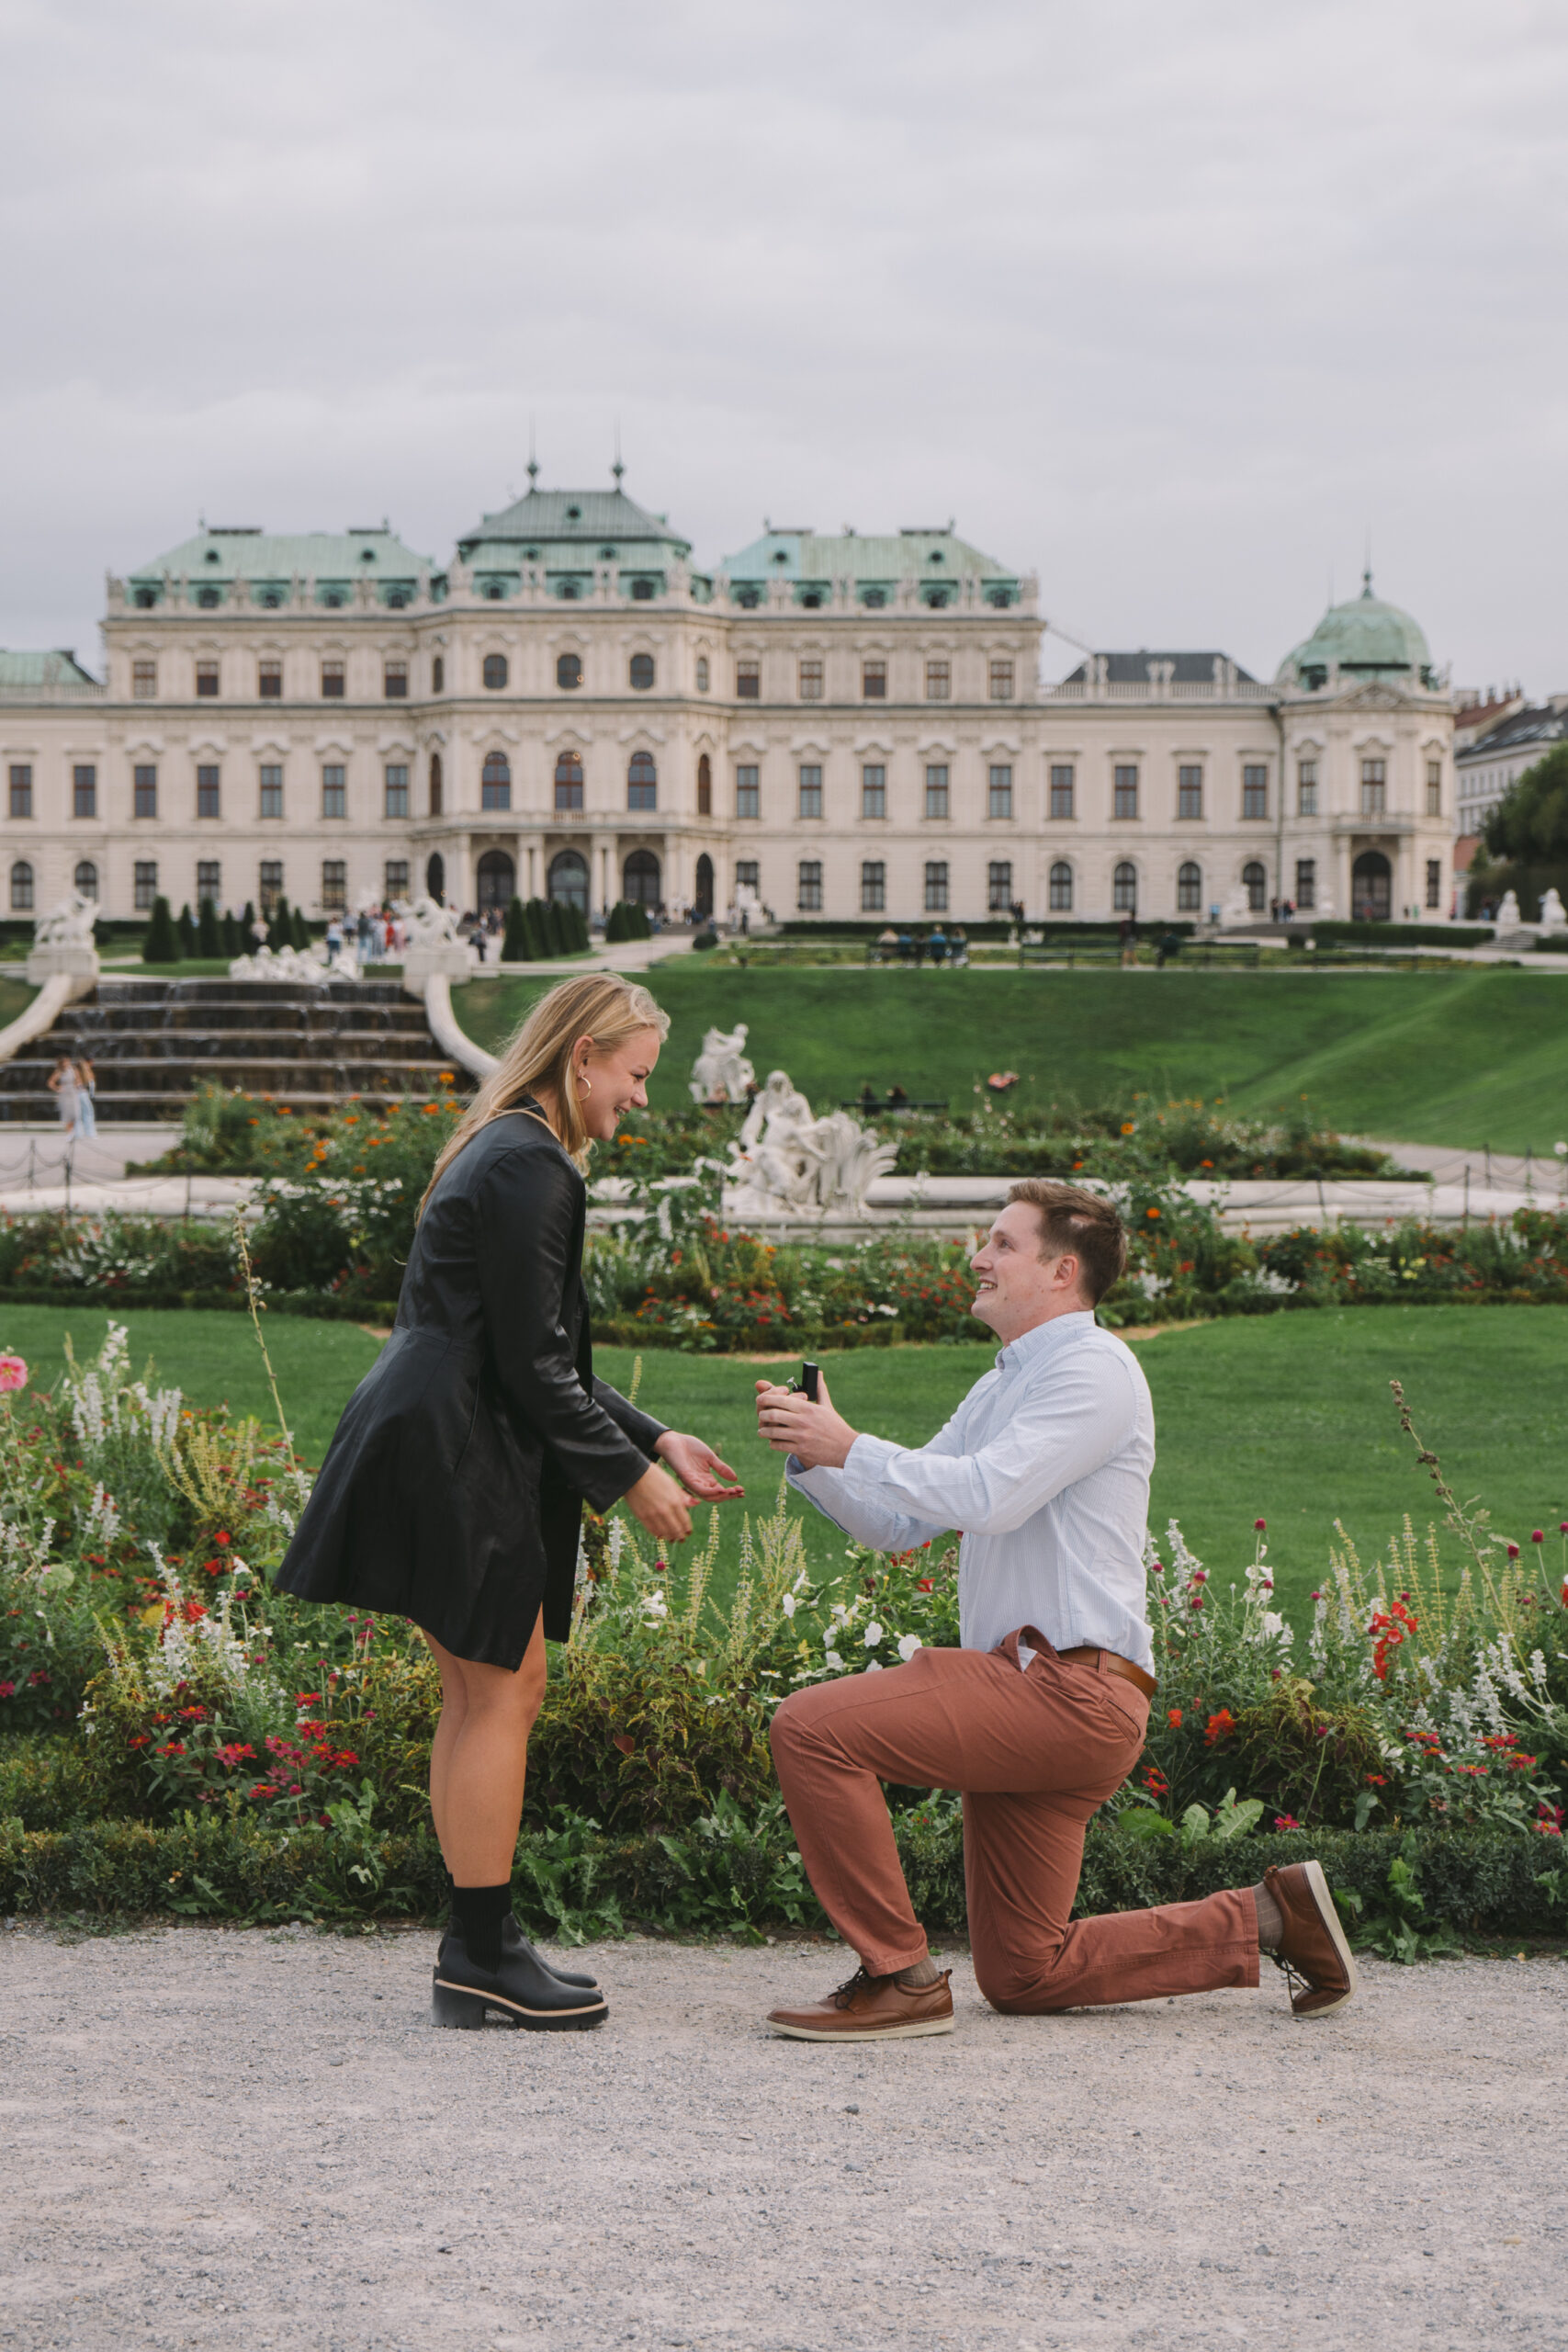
x=1113 y=1664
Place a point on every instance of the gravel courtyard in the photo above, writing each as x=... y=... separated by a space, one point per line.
x=255 y=2138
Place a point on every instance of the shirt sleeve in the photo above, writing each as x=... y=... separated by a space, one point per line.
x=871 y=1517
x=1075 y=1420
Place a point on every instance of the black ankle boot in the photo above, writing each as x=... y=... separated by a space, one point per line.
x=521 y=1990
x=514 y=1939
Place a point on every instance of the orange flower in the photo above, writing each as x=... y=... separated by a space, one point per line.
x=1219 y=1727
x=1173 y=1717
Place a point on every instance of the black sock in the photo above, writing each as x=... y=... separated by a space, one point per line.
x=478 y=1913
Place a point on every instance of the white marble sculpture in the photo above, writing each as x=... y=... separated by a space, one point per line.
x=1552 y=915
x=69 y=924
x=788 y=1162
x=430 y=925
x=721 y=1072
x=307 y=967
x=1237 y=909
x=1509 y=912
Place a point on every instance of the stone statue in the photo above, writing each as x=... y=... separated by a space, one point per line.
x=1509 y=912
x=62 y=945
x=787 y=1162
x=308 y=968
x=430 y=925
x=1237 y=908
x=721 y=1072
x=69 y=924
x=1552 y=915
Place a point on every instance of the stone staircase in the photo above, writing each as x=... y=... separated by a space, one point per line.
x=153 y=1042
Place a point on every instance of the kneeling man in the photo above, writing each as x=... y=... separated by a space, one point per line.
x=1040 y=1713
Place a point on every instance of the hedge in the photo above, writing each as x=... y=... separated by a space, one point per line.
x=1397 y=934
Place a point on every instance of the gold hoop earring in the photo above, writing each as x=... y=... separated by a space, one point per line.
x=584 y=1083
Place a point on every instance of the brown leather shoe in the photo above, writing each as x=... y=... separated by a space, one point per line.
x=871 y=2008
x=1313 y=1951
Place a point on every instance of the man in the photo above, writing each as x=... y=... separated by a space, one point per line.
x=1040 y=1713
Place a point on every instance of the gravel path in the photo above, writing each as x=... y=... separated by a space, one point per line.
x=255 y=2138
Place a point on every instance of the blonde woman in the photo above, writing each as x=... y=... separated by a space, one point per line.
x=452 y=1489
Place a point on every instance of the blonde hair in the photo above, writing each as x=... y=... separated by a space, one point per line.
x=598 y=1005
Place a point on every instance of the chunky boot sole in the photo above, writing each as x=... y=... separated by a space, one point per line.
x=461 y=2005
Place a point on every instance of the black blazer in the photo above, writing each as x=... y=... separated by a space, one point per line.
x=452 y=1491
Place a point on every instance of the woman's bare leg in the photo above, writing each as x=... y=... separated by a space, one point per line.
x=480 y=1764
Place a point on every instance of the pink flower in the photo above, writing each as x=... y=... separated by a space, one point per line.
x=1260 y=1524
x=13 y=1372
x=1537 y=1537
x=1513 y=1551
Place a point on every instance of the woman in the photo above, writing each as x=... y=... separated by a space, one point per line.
x=61 y=1084
x=86 y=1099
x=452 y=1491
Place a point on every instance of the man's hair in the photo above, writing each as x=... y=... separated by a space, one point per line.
x=1075 y=1220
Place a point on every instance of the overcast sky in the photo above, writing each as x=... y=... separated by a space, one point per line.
x=1171 y=304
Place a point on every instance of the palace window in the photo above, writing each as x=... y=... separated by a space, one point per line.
x=84 y=792
x=1124 y=792
x=270 y=681
x=271 y=792
x=1434 y=882
x=1001 y=683
x=873 y=680
x=1062 y=793
x=810 y=792
x=395 y=681
x=998 y=887
x=335 y=886
x=873 y=887
x=435 y=785
x=748 y=681
x=495 y=781
x=144 y=679
x=1374 y=788
x=568 y=781
x=1306 y=884
x=811 y=681
x=271 y=885
x=494 y=671
x=642 y=782
x=334 y=792
x=1124 y=889
x=209 y=880
x=395 y=880
x=21 y=781
x=1307 y=788
x=395 y=780
x=702 y=673
x=206 y=680
x=808 y=888
x=438 y=674
x=1255 y=881
x=1189 y=792
x=939 y=681
x=208 y=796
x=1253 y=792
x=86 y=879
x=747 y=792
x=642 y=592
x=936 y=887
x=144 y=792
x=874 y=792
x=1061 y=888
x=936 y=792
x=332 y=680
x=1434 y=795
x=144 y=885
x=641 y=672
x=1188 y=889
x=704 y=787
x=999 y=800
x=21 y=888
x=748 y=876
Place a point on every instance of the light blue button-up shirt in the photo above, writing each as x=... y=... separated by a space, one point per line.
x=1044 y=1468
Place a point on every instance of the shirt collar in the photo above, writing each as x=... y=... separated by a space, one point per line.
x=1037 y=1346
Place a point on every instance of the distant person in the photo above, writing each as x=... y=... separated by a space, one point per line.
x=334 y=939
x=906 y=947
x=1169 y=945
x=1128 y=936
x=61 y=1084
x=868 y=1101
x=920 y=945
x=896 y=1099
x=937 y=943
x=86 y=1098
x=957 y=945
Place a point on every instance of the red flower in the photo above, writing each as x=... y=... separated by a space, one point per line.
x=1513 y=1551
x=1173 y=1717
x=1219 y=1727
x=1286 y=1820
x=1260 y=1524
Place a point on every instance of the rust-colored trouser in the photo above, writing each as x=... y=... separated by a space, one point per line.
x=1035 y=1755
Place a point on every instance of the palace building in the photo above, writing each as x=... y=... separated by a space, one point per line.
x=847 y=726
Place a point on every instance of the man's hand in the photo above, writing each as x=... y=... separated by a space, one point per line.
x=819 y=1438
x=698 y=1468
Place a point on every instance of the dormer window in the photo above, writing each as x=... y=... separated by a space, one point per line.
x=208 y=599
x=642 y=592
x=607 y=555
x=211 y=555
x=781 y=555
x=874 y=599
x=145 y=599
x=574 y=514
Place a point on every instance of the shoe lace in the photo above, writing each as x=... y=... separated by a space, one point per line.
x=844 y=1993
x=1295 y=1977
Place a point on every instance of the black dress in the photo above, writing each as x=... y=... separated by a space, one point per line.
x=452 y=1491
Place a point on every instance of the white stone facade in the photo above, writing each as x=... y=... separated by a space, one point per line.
x=849 y=753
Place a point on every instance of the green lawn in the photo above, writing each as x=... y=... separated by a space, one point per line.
x=1468 y=1057
x=1286 y=1418
x=14 y=997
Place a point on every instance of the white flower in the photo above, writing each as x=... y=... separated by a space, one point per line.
x=655 y=1607
x=787 y=1604
x=907 y=1644
x=834 y=1660
x=875 y=1666
x=872 y=1634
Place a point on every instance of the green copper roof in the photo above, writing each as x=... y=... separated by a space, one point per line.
x=1366 y=638
x=909 y=555
x=22 y=673
x=223 y=555
x=580 y=526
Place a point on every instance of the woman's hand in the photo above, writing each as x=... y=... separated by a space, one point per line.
x=698 y=1468
x=663 y=1509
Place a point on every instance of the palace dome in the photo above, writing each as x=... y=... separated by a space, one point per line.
x=1365 y=639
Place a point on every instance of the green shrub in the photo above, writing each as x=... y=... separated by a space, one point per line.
x=514 y=946
x=208 y=938
x=186 y=932
x=162 y=945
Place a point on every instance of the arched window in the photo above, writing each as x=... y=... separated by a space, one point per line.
x=640 y=879
x=704 y=787
x=704 y=900
x=1255 y=881
x=1124 y=889
x=642 y=782
x=568 y=781
x=21 y=888
x=497 y=881
x=568 y=670
x=495 y=781
x=1189 y=890
x=642 y=672
x=1061 y=888
x=568 y=879
x=435 y=788
x=86 y=879
x=495 y=670
x=1372 y=887
x=435 y=877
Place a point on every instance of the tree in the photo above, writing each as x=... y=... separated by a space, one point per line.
x=280 y=930
x=161 y=946
x=301 y=931
x=515 y=938
x=535 y=916
x=233 y=943
x=614 y=925
x=208 y=939
x=1529 y=824
x=556 y=928
x=186 y=930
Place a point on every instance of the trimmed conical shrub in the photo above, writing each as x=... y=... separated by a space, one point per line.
x=280 y=930
x=209 y=940
x=514 y=939
x=229 y=931
x=161 y=944
x=301 y=931
x=578 y=924
x=187 y=929
x=536 y=915
x=555 y=920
